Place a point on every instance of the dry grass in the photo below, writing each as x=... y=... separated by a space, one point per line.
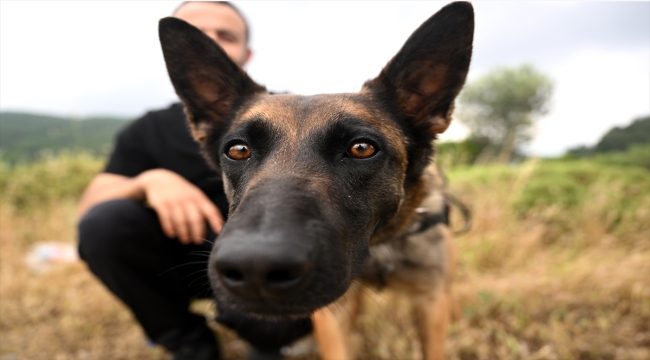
x=535 y=281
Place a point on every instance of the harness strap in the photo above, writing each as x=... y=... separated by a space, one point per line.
x=428 y=220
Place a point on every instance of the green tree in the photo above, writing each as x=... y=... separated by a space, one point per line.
x=502 y=107
x=621 y=138
x=618 y=139
x=25 y=137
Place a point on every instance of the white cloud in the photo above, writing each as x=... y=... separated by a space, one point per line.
x=595 y=90
x=66 y=57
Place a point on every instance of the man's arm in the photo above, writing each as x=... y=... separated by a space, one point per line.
x=106 y=186
x=181 y=206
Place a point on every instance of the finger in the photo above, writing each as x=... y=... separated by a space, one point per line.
x=213 y=215
x=165 y=221
x=180 y=224
x=196 y=223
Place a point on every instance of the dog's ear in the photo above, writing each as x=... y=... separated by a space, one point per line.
x=208 y=82
x=427 y=74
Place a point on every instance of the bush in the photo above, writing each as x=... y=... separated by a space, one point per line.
x=635 y=155
x=27 y=187
x=466 y=152
x=558 y=191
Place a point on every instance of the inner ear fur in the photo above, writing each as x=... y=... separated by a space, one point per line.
x=207 y=81
x=427 y=74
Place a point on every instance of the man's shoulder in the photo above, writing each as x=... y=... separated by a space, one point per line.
x=157 y=118
x=173 y=112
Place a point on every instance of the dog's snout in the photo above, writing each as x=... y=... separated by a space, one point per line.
x=254 y=269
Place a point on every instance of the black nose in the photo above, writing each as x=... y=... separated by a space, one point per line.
x=255 y=268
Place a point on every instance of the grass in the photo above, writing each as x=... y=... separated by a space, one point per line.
x=556 y=266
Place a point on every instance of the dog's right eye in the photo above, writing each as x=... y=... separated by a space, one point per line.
x=239 y=151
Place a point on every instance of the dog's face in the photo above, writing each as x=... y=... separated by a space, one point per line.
x=311 y=179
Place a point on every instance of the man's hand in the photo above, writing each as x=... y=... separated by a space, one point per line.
x=182 y=207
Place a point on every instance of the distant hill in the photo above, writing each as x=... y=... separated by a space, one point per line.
x=619 y=139
x=24 y=137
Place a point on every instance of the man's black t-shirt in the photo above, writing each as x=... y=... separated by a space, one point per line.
x=162 y=139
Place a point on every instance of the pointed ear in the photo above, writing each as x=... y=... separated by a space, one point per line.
x=425 y=76
x=208 y=82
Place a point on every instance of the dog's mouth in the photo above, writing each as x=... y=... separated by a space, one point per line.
x=267 y=309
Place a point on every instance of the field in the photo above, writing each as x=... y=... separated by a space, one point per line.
x=556 y=266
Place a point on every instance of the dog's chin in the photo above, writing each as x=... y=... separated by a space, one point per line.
x=272 y=311
x=276 y=309
x=268 y=309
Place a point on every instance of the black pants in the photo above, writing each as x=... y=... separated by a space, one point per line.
x=157 y=277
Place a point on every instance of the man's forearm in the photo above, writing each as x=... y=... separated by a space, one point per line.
x=105 y=187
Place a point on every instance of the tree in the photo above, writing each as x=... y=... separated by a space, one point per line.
x=502 y=106
x=619 y=139
x=25 y=137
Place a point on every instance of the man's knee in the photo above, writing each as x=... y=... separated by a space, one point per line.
x=105 y=228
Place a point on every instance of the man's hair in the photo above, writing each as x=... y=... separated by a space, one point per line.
x=230 y=5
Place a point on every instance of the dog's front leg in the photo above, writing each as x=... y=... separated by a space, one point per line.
x=432 y=316
x=330 y=335
x=333 y=324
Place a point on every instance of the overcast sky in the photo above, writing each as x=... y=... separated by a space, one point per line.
x=104 y=58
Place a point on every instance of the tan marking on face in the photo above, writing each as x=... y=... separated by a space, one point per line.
x=297 y=117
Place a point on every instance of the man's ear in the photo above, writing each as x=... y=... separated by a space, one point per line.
x=208 y=82
x=427 y=74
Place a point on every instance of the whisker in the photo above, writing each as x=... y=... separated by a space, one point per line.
x=205 y=292
x=195 y=280
x=199 y=253
x=196 y=272
x=204 y=239
x=185 y=264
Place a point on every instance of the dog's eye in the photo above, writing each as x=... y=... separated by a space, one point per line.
x=239 y=151
x=361 y=150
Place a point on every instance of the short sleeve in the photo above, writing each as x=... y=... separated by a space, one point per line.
x=131 y=155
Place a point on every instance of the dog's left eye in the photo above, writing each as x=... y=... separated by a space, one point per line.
x=239 y=151
x=361 y=150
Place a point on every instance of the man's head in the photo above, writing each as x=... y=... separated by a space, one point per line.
x=222 y=22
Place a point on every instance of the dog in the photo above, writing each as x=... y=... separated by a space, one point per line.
x=327 y=191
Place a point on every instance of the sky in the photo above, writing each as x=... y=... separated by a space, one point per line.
x=84 y=59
